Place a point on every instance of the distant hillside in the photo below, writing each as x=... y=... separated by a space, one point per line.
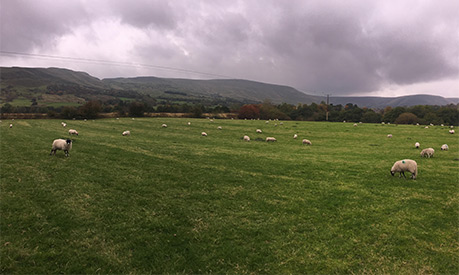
x=381 y=102
x=56 y=85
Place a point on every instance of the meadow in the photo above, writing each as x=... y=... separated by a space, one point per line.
x=167 y=200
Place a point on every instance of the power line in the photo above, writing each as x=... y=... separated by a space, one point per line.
x=108 y=62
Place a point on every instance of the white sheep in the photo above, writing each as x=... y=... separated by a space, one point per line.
x=270 y=139
x=204 y=134
x=11 y=125
x=389 y=135
x=382 y=123
x=61 y=144
x=164 y=125
x=189 y=123
x=427 y=127
x=428 y=152
x=219 y=127
x=259 y=131
x=417 y=145
x=444 y=147
x=246 y=138
x=406 y=165
x=355 y=124
x=126 y=133
x=451 y=131
x=307 y=142
x=73 y=132
x=295 y=136
x=63 y=124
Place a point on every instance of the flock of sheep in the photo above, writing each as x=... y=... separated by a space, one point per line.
x=409 y=165
x=401 y=166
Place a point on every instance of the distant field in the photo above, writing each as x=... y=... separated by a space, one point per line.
x=167 y=200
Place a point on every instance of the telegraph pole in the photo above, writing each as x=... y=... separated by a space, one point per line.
x=328 y=102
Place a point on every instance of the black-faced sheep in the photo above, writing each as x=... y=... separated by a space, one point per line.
x=417 y=145
x=61 y=144
x=444 y=147
x=406 y=165
x=428 y=152
x=126 y=133
x=73 y=132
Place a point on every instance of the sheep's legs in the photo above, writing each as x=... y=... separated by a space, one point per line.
x=66 y=153
x=52 y=152
x=402 y=173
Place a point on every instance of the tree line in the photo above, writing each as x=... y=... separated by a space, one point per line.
x=422 y=114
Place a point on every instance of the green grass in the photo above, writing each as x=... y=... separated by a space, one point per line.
x=166 y=200
x=63 y=104
x=20 y=102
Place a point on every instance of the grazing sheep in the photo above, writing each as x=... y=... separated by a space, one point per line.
x=444 y=147
x=417 y=145
x=204 y=134
x=61 y=144
x=344 y=121
x=63 y=124
x=428 y=152
x=246 y=138
x=295 y=136
x=417 y=124
x=189 y=123
x=307 y=142
x=126 y=133
x=382 y=123
x=164 y=126
x=11 y=125
x=451 y=131
x=259 y=131
x=442 y=125
x=73 y=132
x=267 y=122
x=270 y=139
x=219 y=127
x=406 y=165
x=427 y=127
x=389 y=135
x=355 y=124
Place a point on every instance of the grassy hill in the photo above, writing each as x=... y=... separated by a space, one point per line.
x=20 y=85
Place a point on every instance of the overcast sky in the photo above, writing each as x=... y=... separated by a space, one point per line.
x=385 y=48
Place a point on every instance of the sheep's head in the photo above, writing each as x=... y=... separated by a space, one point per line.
x=69 y=141
x=392 y=172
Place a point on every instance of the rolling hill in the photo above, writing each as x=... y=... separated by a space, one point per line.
x=28 y=83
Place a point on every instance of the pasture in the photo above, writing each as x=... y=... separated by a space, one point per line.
x=167 y=200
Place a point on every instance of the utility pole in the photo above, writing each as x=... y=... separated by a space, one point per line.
x=328 y=102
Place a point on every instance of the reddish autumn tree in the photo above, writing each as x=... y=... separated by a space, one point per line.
x=249 y=111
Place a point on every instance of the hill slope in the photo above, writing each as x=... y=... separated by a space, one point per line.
x=31 y=82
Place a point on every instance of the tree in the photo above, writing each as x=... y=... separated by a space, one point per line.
x=136 y=109
x=407 y=118
x=250 y=111
x=90 y=109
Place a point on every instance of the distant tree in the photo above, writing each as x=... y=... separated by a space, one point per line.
x=69 y=112
x=406 y=118
x=371 y=116
x=197 y=111
x=90 y=109
x=7 y=108
x=249 y=111
x=136 y=109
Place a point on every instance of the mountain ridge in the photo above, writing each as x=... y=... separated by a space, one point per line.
x=239 y=90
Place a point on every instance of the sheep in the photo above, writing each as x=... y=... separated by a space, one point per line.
x=406 y=165
x=442 y=125
x=307 y=142
x=189 y=123
x=219 y=127
x=427 y=127
x=246 y=138
x=270 y=139
x=382 y=123
x=259 y=131
x=444 y=147
x=355 y=124
x=164 y=126
x=11 y=125
x=63 y=124
x=451 y=131
x=73 y=132
x=428 y=152
x=417 y=145
x=295 y=136
x=204 y=134
x=126 y=133
x=389 y=135
x=61 y=144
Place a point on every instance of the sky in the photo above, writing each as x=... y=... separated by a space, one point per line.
x=341 y=48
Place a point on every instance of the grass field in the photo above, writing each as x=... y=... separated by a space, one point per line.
x=167 y=200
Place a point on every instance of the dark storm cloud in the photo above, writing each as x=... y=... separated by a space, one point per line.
x=338 y=47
